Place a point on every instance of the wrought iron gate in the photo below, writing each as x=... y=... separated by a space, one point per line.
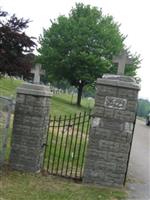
x=66 y=145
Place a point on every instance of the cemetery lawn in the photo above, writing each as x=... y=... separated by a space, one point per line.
x=8 y=86
x=64 y=104
x=22 y=186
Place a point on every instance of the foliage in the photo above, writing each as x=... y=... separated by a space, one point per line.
x=80 y=47
x=143 y=107
x=89 y=91
x=130 y=69
x=16 y=47
x=63 y=84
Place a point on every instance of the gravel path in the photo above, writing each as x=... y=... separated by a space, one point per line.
x=138 y=178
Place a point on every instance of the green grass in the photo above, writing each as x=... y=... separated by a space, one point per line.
x=22 y=186
x=8 y=86
x=62 y=104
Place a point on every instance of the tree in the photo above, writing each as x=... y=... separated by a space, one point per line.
x=80 y=47
x=16 y=57
x=143 y=107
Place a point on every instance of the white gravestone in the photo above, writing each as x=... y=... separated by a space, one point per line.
x=122 y=59
x=37 y=71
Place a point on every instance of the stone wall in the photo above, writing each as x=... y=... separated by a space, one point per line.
x=29 y=129
x=111 y=131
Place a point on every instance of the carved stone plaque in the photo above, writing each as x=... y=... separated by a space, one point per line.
x=95 y=122
x=114 y=102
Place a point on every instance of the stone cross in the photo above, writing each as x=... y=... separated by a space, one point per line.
x=37 y=71
x=122 y=59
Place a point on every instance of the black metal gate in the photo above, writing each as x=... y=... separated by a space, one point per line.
x=66 y=145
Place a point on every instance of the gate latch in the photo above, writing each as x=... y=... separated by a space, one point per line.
x=44 y=145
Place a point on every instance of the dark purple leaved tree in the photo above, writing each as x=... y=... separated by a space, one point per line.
x=16 y=48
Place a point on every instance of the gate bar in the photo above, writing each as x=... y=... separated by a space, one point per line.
x=71 y=142
x=61 y=145
x=65 y=146
x=85 y=143
x=80 y=144
x=75 y=143
x=57 y=137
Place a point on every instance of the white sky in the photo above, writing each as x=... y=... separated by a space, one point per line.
x=133 y=15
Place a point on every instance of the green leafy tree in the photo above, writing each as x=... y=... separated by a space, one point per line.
x=143 y=107
x=79 y=48
x=16 y=57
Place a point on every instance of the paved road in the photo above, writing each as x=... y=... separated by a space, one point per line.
x=138 y=179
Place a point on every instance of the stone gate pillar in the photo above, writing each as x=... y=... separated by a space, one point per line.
x=111 y=131
x=29 y=128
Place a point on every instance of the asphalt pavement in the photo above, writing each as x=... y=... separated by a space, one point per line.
x=138 y=177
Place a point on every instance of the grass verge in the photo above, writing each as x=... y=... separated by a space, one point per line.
x=22 y=186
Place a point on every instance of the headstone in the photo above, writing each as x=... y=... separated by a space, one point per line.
x=122 y=59
x=37 y=71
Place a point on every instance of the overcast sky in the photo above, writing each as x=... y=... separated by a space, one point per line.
x=133 y=15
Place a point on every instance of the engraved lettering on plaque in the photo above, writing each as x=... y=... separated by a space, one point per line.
x=114 y=102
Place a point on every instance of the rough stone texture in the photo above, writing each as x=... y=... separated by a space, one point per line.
x=111 y=131
x=29 y=129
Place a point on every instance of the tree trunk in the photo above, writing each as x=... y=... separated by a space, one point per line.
x=80 y=88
